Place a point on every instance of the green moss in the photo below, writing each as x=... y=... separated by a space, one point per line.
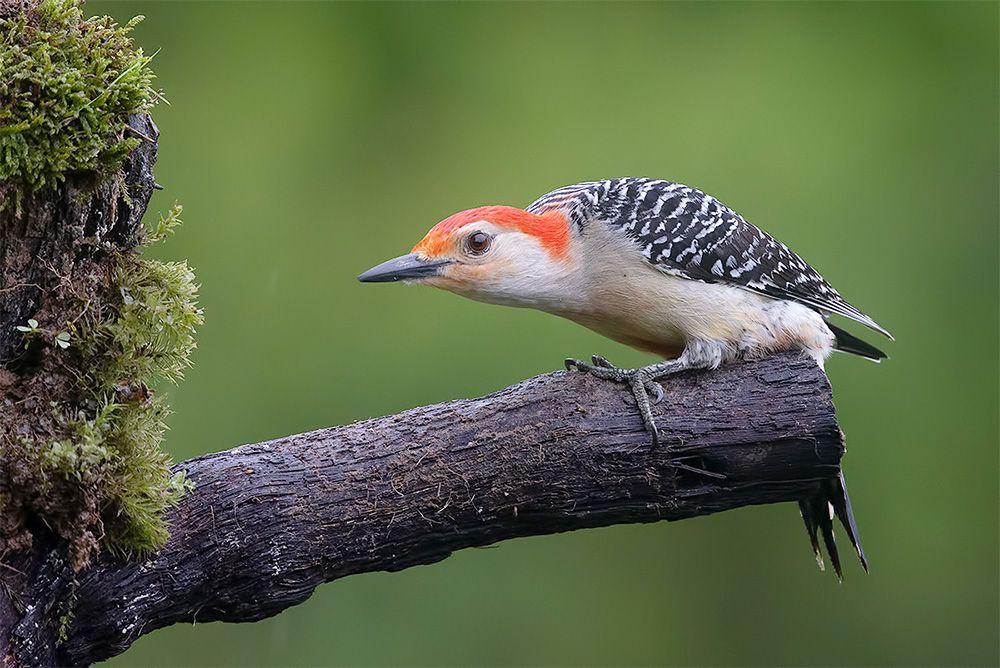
x=149 y=340
x=81 y=446
x=68 y=86
x=116 y=448
x=153 y=334
x=102 y=479
x=94 y=470
x=116 y=455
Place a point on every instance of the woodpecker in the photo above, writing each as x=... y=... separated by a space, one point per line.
x=656 y=265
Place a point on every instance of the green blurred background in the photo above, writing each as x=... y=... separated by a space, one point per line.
x=309 y=141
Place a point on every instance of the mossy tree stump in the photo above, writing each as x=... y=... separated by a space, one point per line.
x=87 y=325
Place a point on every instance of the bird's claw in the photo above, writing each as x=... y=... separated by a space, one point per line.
x=656 y=390
x=640 y=383
x=645 y=390
x=601 y=361
x=654 y=433
x=601 y=368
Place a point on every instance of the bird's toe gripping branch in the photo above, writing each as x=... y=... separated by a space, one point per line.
x=641 y=380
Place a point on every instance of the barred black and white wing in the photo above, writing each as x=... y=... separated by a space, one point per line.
x=685 y=232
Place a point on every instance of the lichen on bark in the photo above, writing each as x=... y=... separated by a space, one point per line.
x=97 y=324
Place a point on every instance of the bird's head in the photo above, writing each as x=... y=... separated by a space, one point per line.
x=497 y=254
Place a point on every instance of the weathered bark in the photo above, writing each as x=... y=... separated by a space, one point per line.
x=269 y=522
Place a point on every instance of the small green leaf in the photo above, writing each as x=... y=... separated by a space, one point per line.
x=62 y=340
x=32 y=323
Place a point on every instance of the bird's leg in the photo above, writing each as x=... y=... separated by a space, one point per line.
x=641 y=380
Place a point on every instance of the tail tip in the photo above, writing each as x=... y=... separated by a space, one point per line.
x=830 y=501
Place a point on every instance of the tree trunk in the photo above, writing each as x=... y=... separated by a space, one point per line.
x=49 y=247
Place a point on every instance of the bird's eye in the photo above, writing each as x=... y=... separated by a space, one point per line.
x=478 y=243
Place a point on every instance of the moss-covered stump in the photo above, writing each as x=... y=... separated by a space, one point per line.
x=87 y=325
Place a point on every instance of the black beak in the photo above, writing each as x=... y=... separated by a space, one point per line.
x=403 y=268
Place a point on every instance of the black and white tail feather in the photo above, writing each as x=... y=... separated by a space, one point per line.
x=818 y=512
x=848 y=343
x=685 y=232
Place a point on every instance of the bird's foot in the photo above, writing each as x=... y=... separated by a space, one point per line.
x=642 y=381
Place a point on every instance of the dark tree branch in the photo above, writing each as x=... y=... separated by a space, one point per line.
x=269 y=522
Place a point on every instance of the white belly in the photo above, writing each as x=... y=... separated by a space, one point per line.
x=647 y=309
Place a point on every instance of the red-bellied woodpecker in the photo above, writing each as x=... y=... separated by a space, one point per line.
x=656 y=265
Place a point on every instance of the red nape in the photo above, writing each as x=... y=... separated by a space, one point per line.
x=550 y=228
